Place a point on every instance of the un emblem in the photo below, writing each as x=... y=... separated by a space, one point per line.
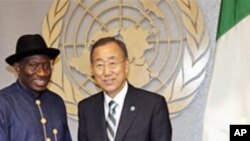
x=167 y=43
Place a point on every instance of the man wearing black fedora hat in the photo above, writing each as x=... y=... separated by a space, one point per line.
x=28 y=110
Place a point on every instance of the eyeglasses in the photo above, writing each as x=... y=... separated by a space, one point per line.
x=35 y=66
x=101 y=65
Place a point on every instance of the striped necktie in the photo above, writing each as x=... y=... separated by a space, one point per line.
x=111 y=121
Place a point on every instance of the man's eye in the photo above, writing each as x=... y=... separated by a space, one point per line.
x=47 y=65
x=33 y=65
x=99 y=65
x=112 y=64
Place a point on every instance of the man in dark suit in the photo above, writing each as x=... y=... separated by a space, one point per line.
x=120 y=112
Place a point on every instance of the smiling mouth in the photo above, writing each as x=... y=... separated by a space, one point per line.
x=41 y=82
x=109 y=81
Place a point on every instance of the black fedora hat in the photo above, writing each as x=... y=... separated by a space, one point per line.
x=28 y=45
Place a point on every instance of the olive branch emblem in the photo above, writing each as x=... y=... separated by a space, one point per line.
x=183 y=88
x=51 y=29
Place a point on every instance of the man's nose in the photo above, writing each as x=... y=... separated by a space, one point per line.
x=107 y=70
x=42 y=71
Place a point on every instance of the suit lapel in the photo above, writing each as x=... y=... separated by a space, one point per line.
x=100 y=119
x=129 y=111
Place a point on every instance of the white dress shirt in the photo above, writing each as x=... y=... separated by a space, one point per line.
x=119 y=99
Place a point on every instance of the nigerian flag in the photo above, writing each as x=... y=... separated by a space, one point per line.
x=229 y=92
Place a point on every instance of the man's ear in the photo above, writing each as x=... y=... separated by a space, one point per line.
x=127 y=64
x=91 y=73
x=16 y=67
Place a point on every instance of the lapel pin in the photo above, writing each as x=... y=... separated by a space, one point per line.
x=132 y=108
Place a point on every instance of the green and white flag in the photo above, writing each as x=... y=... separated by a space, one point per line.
x=229 y=92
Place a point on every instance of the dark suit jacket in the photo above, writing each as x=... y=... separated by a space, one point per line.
x=148 y=122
